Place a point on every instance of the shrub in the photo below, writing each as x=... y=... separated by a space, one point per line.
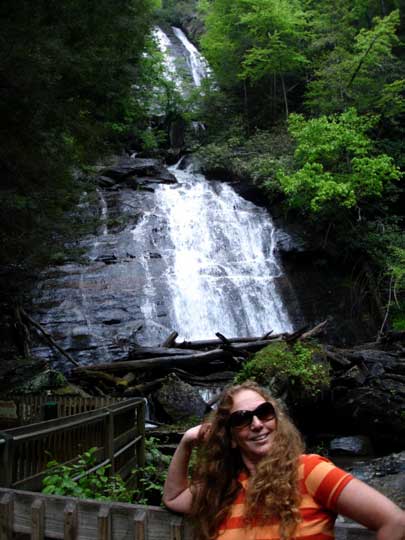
x=151 y=478
x=75 y=480
x=294 y=368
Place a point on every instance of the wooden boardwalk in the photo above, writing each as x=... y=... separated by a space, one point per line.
x=118 y=432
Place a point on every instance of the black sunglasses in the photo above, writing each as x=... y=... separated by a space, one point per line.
x=240 y=419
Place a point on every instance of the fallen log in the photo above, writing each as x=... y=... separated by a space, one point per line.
x=229 y=346
x=22 y=333
x=162 y=362
x=296 y=335
x=203 y=343
x=99 y=376
x=315 y=331
x=143 y=389
x=48 y=338
x=205 y=380
x=253 y=346
x=170 y=340
x=267 y=334
x=142 y=353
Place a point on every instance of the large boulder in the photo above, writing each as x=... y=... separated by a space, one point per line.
x=177 y=400
x=137 y=171
x=369 y=396
x=355 y=445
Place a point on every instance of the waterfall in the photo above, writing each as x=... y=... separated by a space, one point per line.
x=191 y=256
x=198 y=65
x=224 y=268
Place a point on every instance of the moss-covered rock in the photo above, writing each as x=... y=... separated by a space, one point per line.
x=294 y=372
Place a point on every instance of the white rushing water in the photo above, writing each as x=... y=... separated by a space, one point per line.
x=198 y=65
x=193 y=257
x=225 y=270
x=169 y=61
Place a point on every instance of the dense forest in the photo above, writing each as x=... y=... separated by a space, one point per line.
x=306 y=102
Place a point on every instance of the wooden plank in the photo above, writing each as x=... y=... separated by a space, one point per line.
x=176 y=528
x=124 y=438
x=52 y=425
x=104 y=523
x=62 y=428
x=140 y=525
x=70 y=521
x=38 y=519
x=160 y=524
x=6 y=516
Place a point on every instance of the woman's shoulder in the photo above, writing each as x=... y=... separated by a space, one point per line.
x=313 y=458
x=311 y=463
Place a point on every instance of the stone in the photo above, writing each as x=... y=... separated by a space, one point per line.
x=356 y=445
x=179 y=400
x=134 y=171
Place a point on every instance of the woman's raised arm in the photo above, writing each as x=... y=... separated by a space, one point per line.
x=367 y=506
x=177 y=495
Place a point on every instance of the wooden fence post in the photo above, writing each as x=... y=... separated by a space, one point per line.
x=6 y=516
x=140 y=447
x=38 y=520
x=6 y=459
x=176 y=528
x=109 y=440
x=70 y=521
x=140 y=525
x=104 y=523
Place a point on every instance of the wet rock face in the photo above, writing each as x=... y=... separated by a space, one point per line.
x=370 y=397
x=117 y=296
x=326 y=287
x=135 y=172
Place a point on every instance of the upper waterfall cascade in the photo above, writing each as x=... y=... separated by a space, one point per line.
x=194 y=257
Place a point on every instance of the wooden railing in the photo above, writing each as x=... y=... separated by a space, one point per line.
x=48 y=517
x=30 y=408
x=117 y=431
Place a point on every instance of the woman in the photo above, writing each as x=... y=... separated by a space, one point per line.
x=252 y=480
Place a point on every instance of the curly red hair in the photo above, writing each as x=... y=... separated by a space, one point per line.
x=272 y=491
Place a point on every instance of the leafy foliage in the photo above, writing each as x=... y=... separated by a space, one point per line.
x=151 y=478
x=279 y=364
x=75 y=480
x=257 y=42
x=357 y=73
x=66 y=72
x=337 y=166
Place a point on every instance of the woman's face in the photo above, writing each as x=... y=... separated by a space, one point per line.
x=254 y=440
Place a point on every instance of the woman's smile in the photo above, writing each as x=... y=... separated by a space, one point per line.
x=255 y=439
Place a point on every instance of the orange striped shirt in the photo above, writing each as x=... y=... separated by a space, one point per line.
x=321 y=483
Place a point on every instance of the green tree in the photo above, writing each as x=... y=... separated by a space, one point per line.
x=357 y=72
x=252 y=45
x=66 y=71
x=336 y=167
